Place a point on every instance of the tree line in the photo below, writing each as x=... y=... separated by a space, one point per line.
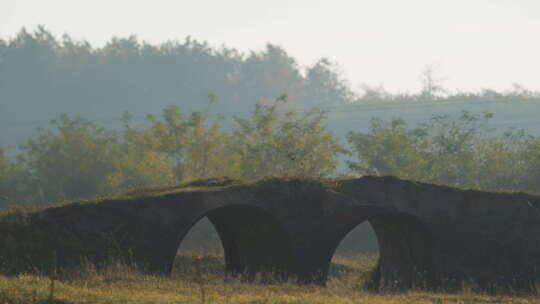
x=39 y=70
x=288 y=137
x=75 y=158
x=71 y=76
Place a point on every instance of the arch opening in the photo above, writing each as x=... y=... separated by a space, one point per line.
x=355 y=257
x=248 y=241
x=404 y=258
x=200 y=253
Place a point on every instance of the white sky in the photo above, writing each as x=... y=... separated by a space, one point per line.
x=475 y=43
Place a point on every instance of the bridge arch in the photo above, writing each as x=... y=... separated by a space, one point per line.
x=405 y=246
x=254 y=241
x=452 y=235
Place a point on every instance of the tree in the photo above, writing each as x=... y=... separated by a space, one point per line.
x=290 y=145
x=325 y=86
x=503 y=161
x=138 y=162
x=388 y=148
x=431 y=84
x=72 y=162
x=452 y=147
x=207 y=149
x=271 y=73
x=196 y=148
x=459 y=151
x=15 y=182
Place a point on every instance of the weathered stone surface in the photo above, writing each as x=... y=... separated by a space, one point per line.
x=430 y=236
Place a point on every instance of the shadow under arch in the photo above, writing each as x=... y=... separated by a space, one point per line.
x=253 y=241
x=405 y=247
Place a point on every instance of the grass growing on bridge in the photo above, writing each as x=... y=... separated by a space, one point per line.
x=120 y=284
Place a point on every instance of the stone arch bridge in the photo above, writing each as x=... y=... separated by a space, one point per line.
x=429 y=236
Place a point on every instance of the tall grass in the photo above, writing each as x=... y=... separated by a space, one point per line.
x=198 y=278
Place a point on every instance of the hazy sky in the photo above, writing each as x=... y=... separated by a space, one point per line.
x=475 y=43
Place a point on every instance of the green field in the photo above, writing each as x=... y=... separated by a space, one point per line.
x=198 y=278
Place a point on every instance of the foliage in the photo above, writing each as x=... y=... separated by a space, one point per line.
x=74 y=77
x=460 y=151
x=324 y=85
x=71 y=162
x=196 y=148
x=378 y=150
x=15 y=182
x=78 y=159
x=291 y=146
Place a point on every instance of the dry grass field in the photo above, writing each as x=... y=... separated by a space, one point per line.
x=198 y=278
